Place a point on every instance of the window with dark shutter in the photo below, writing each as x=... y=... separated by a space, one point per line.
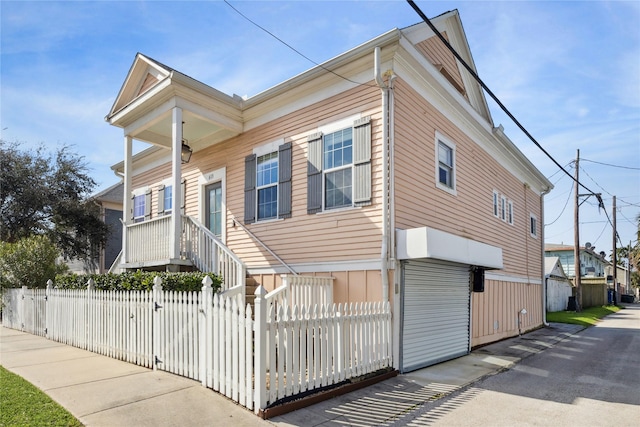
x=339 y=168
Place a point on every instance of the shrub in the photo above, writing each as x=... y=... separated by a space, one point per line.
x=29 y=262
x=138 y=281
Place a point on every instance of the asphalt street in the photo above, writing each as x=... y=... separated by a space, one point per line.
x=590 y=379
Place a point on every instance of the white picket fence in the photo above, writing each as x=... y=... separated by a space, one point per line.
x=255 y=359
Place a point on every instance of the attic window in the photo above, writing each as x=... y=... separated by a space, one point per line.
x=146 y=85
x=447 y=75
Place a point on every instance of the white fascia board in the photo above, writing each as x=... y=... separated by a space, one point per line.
x=130 y=112
x=425 y=79
x=344 y=58
x=425 y=242
x=145 y=160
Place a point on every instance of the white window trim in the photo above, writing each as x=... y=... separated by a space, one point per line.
x=503 y=208
x=168 y=183
x=142 y=191
x=454 y=172
x=218 y=175
x=533 y=217
x=347 y=125
x=495 y=200
x=268 y=147
x=276 y=184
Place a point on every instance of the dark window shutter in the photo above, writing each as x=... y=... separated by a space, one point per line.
x=183 y=195
x=133 y=206
x=362 y=161
x=147 y=205
x=314 y=173
x=250 y=189
x=161 y=200
x=284 y=181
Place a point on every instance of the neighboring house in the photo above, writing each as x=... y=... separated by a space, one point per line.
x=559 y=287
x=622 y=278
x=110 y=201
x=381 y=168
x=592 y=264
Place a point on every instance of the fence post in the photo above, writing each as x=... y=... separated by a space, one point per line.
x=156 y=325
x=22 y=308
x=48 y=317
x=88 y=315
x=260 y=353
x=205 y=344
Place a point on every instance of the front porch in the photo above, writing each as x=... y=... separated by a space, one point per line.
x=147 y=247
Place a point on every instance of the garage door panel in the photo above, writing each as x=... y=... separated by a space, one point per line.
x=435 y=315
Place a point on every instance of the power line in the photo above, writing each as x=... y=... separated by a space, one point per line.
x=293 y=48
x=565 y=206
x=613 y=166
x=490 y=93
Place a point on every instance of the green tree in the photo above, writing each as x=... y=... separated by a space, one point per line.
x=30 y=261
x=47 y=194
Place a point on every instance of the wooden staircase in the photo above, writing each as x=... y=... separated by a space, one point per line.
x=250 y=289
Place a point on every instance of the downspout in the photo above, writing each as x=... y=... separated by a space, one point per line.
x=384 y=250
x=544 y=288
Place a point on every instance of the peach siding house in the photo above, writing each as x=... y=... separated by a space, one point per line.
x=381 y=168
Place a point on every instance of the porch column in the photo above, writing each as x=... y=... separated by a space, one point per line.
x=176 y=174
x=126 y=203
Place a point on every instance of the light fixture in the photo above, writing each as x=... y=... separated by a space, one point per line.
x=185 y=153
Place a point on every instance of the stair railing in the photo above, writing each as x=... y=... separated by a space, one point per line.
x=209 y=254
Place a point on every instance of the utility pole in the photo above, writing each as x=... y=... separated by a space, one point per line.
x=615 y=257
x=576 y=236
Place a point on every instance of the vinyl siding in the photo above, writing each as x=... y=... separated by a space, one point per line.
x=350 y=234
x=469 y=213
x=494 y=312
x=437 y=53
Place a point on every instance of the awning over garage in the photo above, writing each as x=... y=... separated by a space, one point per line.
x=425 y=242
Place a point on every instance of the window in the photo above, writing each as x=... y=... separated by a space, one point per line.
x=339 y=166
x=165 y=199
x=337 y=169
x=496 y=207
x=446 y=164
x=267 y=182
x=533 y=229
x=510 y=212
x=138 y=208
x=141 y=205
x=267 y=186
x=503 y=208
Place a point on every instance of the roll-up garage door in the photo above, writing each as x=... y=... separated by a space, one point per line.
x=435 y=313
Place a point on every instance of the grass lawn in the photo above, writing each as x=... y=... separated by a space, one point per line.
x=23 y=404
x=587 y=317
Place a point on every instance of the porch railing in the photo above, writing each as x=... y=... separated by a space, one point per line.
x=148 y=242
x=302 y=290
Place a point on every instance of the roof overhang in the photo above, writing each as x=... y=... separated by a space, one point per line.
x=425 y=242
x=145 y=113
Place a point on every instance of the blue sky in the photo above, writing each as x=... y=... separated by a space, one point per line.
x=569 y=71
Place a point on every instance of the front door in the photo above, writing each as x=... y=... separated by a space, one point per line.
x=213 y=208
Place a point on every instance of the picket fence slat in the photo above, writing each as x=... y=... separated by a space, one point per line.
x=210 y=338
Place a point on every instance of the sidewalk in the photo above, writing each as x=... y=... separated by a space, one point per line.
x=388 y=402
x=101 y=391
